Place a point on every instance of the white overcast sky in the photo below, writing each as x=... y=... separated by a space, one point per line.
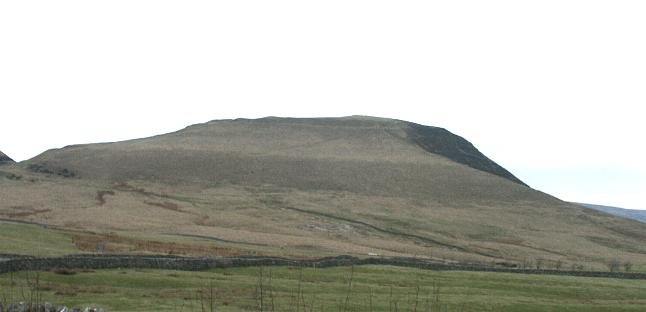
x=552 y=90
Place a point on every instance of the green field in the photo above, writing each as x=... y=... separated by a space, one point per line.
x=360 y=288
x=34 y=240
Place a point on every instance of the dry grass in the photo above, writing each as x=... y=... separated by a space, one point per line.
x=114 y=243
x=22 y=211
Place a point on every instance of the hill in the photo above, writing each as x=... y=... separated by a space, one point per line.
x=639 y=215
x=305 y=187
x=4 y=159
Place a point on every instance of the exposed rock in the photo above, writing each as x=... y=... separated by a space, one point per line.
x=443 y=142
x=43 y=307
x=4 y=159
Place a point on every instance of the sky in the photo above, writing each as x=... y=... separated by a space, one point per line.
x=551 y=90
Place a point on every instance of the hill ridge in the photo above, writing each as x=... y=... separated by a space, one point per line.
x=4 y=159
x=634 y=214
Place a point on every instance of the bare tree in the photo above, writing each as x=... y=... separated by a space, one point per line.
x=628 y=266
x=613 y=265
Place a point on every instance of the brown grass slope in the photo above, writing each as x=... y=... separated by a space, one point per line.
x=353 y=185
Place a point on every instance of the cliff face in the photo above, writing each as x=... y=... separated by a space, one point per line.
x=4 y=159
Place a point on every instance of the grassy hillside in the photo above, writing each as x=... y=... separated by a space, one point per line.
x=360 y=288
x=352 y=185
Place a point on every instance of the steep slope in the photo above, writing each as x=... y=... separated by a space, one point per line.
x=639 y=215
x=353 y=185
x=4 y=159
x=442 y=142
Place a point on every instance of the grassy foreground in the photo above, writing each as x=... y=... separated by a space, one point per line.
x=360 y=288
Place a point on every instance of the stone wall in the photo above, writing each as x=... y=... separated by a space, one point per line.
x=9 y=263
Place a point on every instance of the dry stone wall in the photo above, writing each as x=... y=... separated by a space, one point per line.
x=12 y=263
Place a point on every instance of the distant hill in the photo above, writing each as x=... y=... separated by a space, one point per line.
x=4 y=159
x=313 y=186
x=639 y=215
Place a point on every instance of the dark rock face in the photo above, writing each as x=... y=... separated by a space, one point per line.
x=4 y=159
x=442 y=142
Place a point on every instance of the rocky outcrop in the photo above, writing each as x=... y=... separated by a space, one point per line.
x=4 y=159
x=442 y=142
x=43 y=307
